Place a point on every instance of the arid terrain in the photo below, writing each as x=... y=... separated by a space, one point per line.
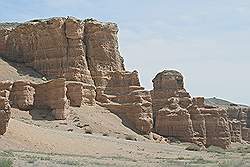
x=66 y=99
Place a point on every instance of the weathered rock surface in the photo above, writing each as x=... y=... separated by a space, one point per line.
x=177 y=115
x=174 y=121
x=52 y=96
x=53 y=47
x=4 y=112
x=123 y=95
x=4 y=32
x=79 y=94
x=22 y=95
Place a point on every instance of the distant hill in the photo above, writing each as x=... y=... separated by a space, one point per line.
x=222 y=103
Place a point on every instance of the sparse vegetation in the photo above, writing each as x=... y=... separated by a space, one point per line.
x=193 y=147
x=215 y=149
x=105 y=134
x=6 y=163
x=88 y=131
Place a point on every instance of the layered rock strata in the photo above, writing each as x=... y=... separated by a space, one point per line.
x=22 y=95
x=79 y=94
x=178 y=115
x=52 y=96
x=52 y=47
x=4 y=109
x=123 y=95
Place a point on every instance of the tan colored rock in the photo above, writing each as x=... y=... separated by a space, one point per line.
x=4 y=32
x=235 y=130
x=123 y=95
x=102 y=50
x=6 y=85
x=52 y=47
x=217 y=127
x=52 y=96
x=198 y=123
x=4 y=114
x=174 y=121
x=79 y=93
x=22 y=95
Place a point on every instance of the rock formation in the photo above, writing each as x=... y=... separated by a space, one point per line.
x=22 y=95
x=4 y=106
x=83 y=60
x=79 y=93
x=52 y=96
x=177 y=115
x=52 y=47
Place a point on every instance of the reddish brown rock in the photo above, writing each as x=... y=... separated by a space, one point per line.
x=22 y=95
x=52 y=96
x=79 y=93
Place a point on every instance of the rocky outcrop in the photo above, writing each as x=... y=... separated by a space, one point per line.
x=178 y=115
x=22 y=95
x=52 y=47
x=4 y=112
x=52 y=96
x=79 y=94
x=4 y=32
x=102 y=50
x=123 y=95
x=174 y=121
x=217 y=127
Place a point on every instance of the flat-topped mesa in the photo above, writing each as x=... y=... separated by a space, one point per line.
x=53 y=47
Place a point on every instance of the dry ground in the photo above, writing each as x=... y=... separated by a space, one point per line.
x=34 y=142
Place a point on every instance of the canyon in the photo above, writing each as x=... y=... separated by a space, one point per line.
x=78 y=63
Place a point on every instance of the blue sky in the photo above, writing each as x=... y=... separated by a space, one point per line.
x=208 y=41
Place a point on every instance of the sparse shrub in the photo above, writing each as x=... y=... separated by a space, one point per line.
x=88 y=131
x=6 y=163
x=215 y=149
x=232 y=163
x=174 y=140
x=105 y=134
x=193 y=147
x=130 y=137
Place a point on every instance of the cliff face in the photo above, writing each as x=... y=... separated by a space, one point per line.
x=53 y=47
x=86 y=54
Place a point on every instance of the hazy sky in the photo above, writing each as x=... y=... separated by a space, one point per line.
x=207 y=40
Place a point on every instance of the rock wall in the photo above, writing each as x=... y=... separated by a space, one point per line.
x=123 y=95
x=79 y=94
x=52 y=96
x=4 y=32
x=52 y=47
x=4 y=107
x=22 y=95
